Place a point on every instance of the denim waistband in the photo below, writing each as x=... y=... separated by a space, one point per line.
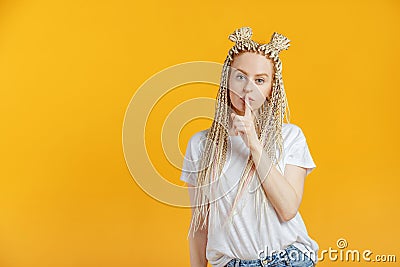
x=279 y=256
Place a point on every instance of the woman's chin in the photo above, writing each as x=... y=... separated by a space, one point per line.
x=240 y=112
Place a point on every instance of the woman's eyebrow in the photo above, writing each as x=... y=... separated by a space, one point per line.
x=260 y=74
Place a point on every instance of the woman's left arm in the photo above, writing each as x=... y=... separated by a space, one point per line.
x=283 y=191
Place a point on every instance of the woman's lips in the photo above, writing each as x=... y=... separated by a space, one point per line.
x=250 y=99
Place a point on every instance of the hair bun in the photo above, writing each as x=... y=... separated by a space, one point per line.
x=279 y=42
x=241 y=34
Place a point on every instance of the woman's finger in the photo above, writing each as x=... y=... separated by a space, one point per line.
x=241 y=128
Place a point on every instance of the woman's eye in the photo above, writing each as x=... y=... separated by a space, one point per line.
x=260 y=80
x=241 y=77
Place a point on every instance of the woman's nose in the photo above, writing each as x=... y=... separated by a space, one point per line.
x=248 y=87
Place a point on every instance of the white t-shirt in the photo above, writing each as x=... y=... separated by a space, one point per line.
x=245 y=240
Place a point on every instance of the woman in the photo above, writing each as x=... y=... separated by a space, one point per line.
x=246 y=172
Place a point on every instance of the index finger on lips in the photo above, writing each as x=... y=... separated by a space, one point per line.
x=247 y=110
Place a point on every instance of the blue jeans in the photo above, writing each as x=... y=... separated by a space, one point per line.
x=290 y=256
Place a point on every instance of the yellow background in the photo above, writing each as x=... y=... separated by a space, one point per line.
x=69 y=69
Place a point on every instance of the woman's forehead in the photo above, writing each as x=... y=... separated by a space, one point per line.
x=252 y=63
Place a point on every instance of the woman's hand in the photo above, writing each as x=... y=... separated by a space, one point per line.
x=244 y=125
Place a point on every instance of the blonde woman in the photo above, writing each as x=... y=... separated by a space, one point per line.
x=246 y=173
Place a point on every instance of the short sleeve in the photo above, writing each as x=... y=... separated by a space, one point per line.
x=298 y=153
x=191 y=161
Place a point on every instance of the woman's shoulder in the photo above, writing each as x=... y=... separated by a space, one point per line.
x=291 y=131
x=198 y=136
x=197 y=140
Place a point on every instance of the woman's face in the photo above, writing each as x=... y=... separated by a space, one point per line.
x=252 y=74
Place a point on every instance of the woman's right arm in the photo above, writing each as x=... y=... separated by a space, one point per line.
x=198 y=241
